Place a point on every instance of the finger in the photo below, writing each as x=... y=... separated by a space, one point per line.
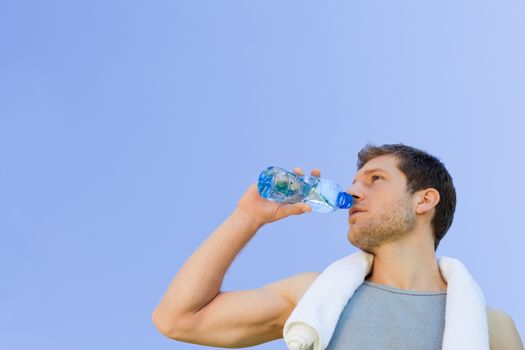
x=316 y=172
x=298 y=171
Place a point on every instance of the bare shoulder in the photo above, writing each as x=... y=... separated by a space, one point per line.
x=502 y=331
x=293 y=288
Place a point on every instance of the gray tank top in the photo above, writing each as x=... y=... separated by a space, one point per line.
x=383 y=317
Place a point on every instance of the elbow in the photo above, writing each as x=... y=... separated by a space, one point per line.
x=163 y=325
x=177 y=328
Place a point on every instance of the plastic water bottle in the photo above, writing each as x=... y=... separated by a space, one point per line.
x=322 y=195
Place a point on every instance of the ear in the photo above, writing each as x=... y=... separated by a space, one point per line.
x=427 y=199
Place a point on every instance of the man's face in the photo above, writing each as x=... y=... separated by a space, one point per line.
x=379 y=189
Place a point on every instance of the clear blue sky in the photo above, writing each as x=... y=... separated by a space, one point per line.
x=129 y=130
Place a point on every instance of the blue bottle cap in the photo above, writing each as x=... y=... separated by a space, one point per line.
x=344 y=200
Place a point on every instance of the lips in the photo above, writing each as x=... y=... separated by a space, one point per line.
x=354 y=210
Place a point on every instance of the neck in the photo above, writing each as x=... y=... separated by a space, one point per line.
x=409 y=263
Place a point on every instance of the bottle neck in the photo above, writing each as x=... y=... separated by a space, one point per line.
x=344 y=200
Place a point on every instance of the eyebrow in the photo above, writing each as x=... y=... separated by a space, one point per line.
x=372 y=171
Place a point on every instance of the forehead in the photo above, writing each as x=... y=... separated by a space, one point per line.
x=387 y=164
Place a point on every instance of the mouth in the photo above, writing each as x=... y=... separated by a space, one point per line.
x=352 y=218
x=355 y=211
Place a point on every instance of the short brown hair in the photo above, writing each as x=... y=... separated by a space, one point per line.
x=422 y=171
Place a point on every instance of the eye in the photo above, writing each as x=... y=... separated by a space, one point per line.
x=374 y=177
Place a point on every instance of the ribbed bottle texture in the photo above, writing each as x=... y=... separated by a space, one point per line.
x=323 y=195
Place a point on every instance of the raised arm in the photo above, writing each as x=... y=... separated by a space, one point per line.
x=194 y=310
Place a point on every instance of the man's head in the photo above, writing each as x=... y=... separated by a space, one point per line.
x=399 y=188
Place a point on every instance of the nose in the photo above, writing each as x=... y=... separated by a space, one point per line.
x=355 y=192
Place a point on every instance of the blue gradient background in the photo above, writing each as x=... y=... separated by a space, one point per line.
x=129 y=131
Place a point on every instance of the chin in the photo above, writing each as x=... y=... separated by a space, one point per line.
x=353 y=238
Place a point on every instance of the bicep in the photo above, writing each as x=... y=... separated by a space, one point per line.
x=244 y=318
x=239 y=319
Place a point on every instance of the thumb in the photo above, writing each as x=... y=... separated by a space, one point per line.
x=298 y=209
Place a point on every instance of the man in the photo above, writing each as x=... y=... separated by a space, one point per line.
x=404 y=205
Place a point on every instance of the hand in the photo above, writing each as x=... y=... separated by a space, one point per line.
x=263 y=211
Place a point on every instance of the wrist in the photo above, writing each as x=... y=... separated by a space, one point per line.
x=246 y=219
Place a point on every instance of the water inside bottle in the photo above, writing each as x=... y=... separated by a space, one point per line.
x=322 y=195
x=319 y=202
x=279 y=186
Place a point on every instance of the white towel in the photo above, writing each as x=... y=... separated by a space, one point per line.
x=315 y=317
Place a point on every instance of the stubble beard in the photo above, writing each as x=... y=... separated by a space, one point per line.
x=391 y=224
